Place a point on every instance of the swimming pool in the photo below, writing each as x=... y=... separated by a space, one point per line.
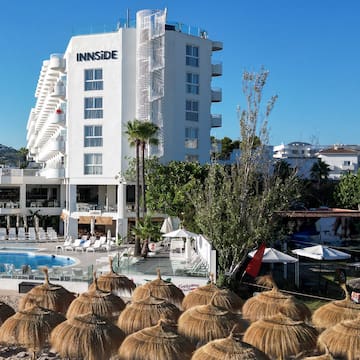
x=18 y=259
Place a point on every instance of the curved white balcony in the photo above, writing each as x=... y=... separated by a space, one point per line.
x=57 y=118
x=50 y=173
x=51 y=148
x=216 y=95
x=59 y=90
x=216 y=120
x=57 y=62
x=216 y=45
x=216 y=69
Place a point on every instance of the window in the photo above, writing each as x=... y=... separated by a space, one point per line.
x=93 y=79
x=191 y=158
x=93 y=135
x=192 y=110
x=191 y=137
x=192 y=83
x=192 y=55
x=92 y=164
x=93 y=108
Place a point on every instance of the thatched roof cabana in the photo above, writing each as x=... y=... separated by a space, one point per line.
x=203 y=294
x=342 y=339
x=203 y=323
x=335 y=311
x=49 y=296
x=160 y=289
x=271 y=302
x=230 y=347
x=279 y=336
x=86 y=336
x=160 y=342
x=30 y=328
x=104 y=304
x=145 y=313
x=113 y=282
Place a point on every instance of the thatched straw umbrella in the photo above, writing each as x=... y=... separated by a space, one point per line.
x=160 y=289
x=228 y=348
x=335 y=311
x=48 y=295
x=342 y=339
x=104 y=304
x=271 y=302
x=203 y=294
x=203 y=323
x=279 y=336
x=159 y=342
x=145 y=313
x=30 y=328
x=113 y=282
x=86 y=336
x=5 y=311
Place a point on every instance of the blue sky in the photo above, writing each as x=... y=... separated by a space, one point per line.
x=310 y=47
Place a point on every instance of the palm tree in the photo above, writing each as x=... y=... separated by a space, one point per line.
x=132 y=131
x=319 y=172
x=147 y=132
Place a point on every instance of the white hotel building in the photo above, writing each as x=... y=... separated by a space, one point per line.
x=156 y=72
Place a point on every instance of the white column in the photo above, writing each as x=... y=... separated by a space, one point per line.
x=121 y=219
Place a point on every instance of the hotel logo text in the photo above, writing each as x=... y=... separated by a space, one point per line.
x=97 y=55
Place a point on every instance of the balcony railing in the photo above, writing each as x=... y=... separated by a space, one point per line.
x=217 y=45
x=216 y=69
x=216 y=95
x=57 y=62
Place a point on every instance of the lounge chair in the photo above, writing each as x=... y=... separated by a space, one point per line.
x=97 y=246
x=74 y=245
x=66 y=243
x=83 y=246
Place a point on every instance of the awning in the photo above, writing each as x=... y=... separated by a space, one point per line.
x=103 y=220
x=84 y=220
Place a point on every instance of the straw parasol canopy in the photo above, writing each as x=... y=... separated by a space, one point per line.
x=203 y=323
x=104 y=304
x=203 y=294
x=86 y=336
x=160 y=289
x=113 y=282
x=230 y=347
x=49 y=296
x=5 y=312
x=271 y=302
x=160 y=342
x=342 y=339
x=335 y=311
x=30 y=328
x=146 y=312
x=279 y=336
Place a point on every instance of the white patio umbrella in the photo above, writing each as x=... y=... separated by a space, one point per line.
x=92 y=225
x=321 y=252
x=166 y=226
x=183 y=234
x=273 y=256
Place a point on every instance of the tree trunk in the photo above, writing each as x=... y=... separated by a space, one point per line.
x=143 y=200
x=137 y=250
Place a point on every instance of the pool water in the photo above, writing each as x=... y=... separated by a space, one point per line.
x=18 y=259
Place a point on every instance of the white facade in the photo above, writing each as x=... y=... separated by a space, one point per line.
x=155 y=72
x=296 y=149
x=341 y=160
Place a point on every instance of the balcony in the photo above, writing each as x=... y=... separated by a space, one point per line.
x=57 y=62
x=53 y=173
x=57 y=119
x=216 y=69
x=216 y=95
x=216 y=45
x=59 y=90
x=216 y=120
x=52 y=147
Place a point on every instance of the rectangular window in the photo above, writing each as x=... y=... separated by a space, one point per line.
x=192 y=110
x=93 y=135
x=92 y=164
x=93 y=108
x=93 y=79
x=192 y=83
x=191 y=158
x=192 y=55
x=191 y=137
